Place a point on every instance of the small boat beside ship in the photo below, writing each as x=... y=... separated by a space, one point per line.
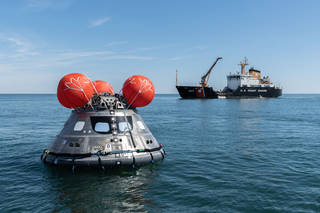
x=201 y=91
x=239 y=85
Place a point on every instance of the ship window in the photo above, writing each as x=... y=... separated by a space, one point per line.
x=102 y=127
x=124 y=126
x=140 y=125
x=79 y=126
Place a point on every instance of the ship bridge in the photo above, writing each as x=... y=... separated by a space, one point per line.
x=247 y=79
x=241 y=80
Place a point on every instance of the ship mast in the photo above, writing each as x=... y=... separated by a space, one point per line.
x=205 y=78
x=176 y=77
x=243 y=64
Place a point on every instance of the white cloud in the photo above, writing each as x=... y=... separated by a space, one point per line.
x=177 y=58
x=6 y=68
x=129 y=57
x=99 y=22
x=146 y=49
x=200 y=47
x=21 y=46
x=16 y=41
x=78 y=54
x=25 y=56
x=115 y=43
x=21 y=54
x=17 y=45
x=39 y=5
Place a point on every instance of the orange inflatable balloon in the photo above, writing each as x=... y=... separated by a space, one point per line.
x=75 y=90
x=138 y=90
x=102 y=87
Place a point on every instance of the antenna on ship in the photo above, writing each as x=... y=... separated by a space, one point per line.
x=243 y=64
x=176 y=77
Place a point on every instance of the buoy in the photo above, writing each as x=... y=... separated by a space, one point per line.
x=75 y=90
x=138 y=90
x=103 y=87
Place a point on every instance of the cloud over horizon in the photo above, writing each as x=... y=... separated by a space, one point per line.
x=99 y=22
x=22 y=54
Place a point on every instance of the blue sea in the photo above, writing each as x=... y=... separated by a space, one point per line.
x=250 y=155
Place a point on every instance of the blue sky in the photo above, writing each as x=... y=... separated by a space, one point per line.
x=42 y=40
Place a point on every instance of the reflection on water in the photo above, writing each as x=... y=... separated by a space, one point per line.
x=111 y=191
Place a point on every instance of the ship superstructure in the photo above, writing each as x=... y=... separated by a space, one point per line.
x=250 y=84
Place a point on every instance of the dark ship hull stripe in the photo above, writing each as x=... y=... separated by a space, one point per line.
x=252 y=92
x=196 y=92
x=190 y=92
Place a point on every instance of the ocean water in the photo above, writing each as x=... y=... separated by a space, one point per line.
x=256 y=155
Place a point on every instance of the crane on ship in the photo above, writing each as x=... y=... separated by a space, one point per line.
x=205 y=77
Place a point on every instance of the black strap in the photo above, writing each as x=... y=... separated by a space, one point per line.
x=162 y=155
x=100 y=164
x=45 y=158
x=133 y=161
x=151 y=157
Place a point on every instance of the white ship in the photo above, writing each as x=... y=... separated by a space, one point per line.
x=249 y=84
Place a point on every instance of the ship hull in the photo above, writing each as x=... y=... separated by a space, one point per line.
x=255 y=92
x=191 y=92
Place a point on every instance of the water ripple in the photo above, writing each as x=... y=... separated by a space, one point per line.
x=258 y=155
